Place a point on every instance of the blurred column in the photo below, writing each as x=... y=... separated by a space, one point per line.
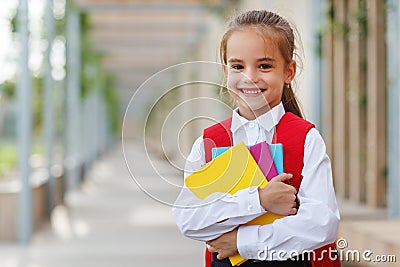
x=87 y=123
x=48 y=107
x=97 y=114
x=24 y=91
x=376 y=133
x=393 y=110
x=94 y=149
x=317 y=19
x=73 y=129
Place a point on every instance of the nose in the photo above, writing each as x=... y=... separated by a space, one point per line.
x=251 y=75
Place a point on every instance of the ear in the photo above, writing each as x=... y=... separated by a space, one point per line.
x=290 y=71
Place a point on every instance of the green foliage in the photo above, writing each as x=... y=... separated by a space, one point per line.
x=8 y=159
x=362 y=19
x=14 y=23
x=8 y=89
x=354 y=26
x=344 y=28
x=90 y=58
x=60 y=26
x=93 y=75
x=37 y=105
x=318 y=48
x=331 y=12
x=91 y=61
x=112 y=103
x=363 y=102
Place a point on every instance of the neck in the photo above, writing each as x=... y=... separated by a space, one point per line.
x=250 y=114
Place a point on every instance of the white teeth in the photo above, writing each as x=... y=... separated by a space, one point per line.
x=251 y=91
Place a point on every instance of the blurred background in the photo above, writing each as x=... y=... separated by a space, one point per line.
x=98 y=102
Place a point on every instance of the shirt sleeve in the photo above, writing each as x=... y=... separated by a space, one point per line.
x=316 y=221
x=217 y=214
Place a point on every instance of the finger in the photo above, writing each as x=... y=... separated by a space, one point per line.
x=283 y=177
x=293 y=189
x=293 y=211
x=211 y=249
x=221 y=256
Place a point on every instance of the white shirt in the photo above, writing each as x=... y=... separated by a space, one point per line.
x=314 y=225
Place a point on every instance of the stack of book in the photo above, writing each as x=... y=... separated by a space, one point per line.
x=236 y=168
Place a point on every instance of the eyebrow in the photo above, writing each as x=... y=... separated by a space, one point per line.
x=258 y=60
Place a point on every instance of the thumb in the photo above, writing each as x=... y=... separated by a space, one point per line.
x=282 y=177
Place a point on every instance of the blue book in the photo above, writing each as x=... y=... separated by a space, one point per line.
x=276 y=152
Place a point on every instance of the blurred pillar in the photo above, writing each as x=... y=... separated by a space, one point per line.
x=94 y=150
x=376 y=131
x=24 y=91
x=317 y=19
x=73 y=128
x=97 y=114
x=48 y=107
x=393 y=110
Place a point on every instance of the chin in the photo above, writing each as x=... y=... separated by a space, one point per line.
x=256 y=104
x=261 y=109
x=257 y=108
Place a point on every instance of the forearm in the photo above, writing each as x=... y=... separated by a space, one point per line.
x=313 y=226
x=207 y=219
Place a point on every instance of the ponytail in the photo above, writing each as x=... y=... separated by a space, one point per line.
x=289 y=101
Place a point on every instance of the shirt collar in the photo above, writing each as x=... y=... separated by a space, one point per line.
x=267 y=121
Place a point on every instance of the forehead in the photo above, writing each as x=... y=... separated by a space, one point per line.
x=250 y=43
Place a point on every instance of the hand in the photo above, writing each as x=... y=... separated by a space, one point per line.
x=225 y=245
x=278 y=197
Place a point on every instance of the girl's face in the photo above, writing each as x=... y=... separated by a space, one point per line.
x=256 y=72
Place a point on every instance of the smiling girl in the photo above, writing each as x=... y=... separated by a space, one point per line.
x=257 y=52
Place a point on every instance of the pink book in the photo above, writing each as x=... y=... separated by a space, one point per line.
x=262 y=155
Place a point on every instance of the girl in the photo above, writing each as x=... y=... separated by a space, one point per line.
x=257 y=52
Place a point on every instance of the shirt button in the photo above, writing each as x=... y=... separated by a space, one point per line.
x=251 y=124
x=250 y=207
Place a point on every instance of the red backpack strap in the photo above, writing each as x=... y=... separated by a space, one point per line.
x=217 y=135
x=208 y=258
x=291 y=132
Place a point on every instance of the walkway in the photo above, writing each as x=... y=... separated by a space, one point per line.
x=110 y=222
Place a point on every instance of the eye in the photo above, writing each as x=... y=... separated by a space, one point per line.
x=237 y=67
x=265 y=66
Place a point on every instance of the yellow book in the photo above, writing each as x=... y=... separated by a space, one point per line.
x=230 y=172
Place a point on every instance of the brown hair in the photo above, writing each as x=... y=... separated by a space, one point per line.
x=275 y=27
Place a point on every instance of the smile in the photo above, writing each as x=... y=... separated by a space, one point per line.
x=251 y=91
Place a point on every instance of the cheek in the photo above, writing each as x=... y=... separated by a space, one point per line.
x=233 y=92
x=275 y=82
x=232 y=79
